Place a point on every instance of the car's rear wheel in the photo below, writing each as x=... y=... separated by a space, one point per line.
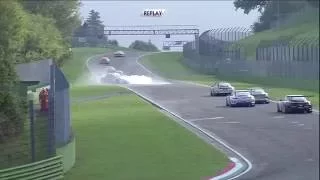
x=278 y=109
x=211 y=94
x=227 y=104
x=286 y=110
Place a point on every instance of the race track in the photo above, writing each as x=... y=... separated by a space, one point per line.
x=279 y=146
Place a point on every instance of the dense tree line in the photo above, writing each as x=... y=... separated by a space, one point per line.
x=272 y=10
x=30 y=31
x=143 y=46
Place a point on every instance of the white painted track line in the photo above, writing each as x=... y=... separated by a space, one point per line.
x=201 y=119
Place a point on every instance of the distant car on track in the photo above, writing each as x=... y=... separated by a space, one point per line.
x=260 y=95
x=119 y=54
x=104 y=60
x=240 y=98
x=294 y=103
x=221 y=88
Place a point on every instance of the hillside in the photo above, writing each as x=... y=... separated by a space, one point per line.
x=297 y=27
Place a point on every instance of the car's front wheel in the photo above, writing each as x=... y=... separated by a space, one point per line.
x=309 y=111
x=251 y=105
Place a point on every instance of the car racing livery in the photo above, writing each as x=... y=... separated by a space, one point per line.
x=260 y=95
x=221 y=88
x=294 y=103
x=240 y=98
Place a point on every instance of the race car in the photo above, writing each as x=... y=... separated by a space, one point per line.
x=221 y=88
x=294 y=103
x=118 y=54
x=240 y=98
x=260 y=95
x=113 y=78
x=119 y=72
x=104 y=60
x=110 y=69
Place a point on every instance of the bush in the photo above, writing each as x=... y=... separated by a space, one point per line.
x=143 y=46
x=13 y=21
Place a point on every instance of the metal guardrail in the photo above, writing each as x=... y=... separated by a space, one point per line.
x=48 y=169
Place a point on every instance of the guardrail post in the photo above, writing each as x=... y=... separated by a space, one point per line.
x=32 y=137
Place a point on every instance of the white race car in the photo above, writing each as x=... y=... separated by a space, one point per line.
x=104 y=60
x=118 y=54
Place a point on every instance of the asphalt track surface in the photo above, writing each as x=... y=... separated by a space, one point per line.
x=279 y=146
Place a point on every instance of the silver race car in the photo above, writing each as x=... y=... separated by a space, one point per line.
x=260 y=95
x=118 y=54
x=240 y=98
x=104 y=60
x=294 y=103
x=221 y=88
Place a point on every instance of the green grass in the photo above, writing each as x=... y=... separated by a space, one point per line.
x=170 y=65
x=75 y=66
x=309 y=30
x=125 y=138
x=81 y=91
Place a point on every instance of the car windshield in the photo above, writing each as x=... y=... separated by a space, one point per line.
x=296 y=98
x=224 y=85
x=242 y=93
x=258 y=91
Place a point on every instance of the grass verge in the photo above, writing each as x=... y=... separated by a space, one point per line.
x=125 y=138
x=169 y=65
x=305 y=28
x=75 y=66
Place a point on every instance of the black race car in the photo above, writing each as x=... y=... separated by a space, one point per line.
x=294 y=103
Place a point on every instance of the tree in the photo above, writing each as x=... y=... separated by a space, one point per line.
x=65 y=13
x=42 y=41
x=113 y=42
x=95 y=25
x=94 y=30
x=12 y=107
x=143 y=46
x=249 y=5
x=272 y=11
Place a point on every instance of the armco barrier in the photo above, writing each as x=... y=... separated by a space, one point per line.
x=68 y=153
x=49 y=169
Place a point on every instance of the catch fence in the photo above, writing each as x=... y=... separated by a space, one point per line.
x=222 y=54
x=37 y=134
